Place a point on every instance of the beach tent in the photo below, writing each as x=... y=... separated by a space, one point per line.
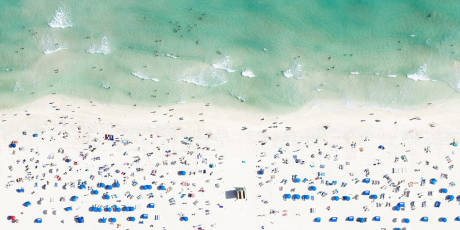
x=181 y=173
x=79 y=219
x=333 y=219
x=350 y=218
x=144 y=216
x=287 y=196
x=442 y=219
x=73 y=198
x=424 y=219
x=366 y=180
x=27 y=204
x=406 y=220
x=437 y=204
x=260 y=172
x=102 y=220
x=151 y=205
x=38 y=221
x=296 y=197
x=317 y=219
x=112 y=220
x=305 y=197
x=346 y=198
x=312 y=188
x=366 y=192
x=450 y=197
x=94 y=192
x=131 y=218
x=335 y=198
x=433 y=181
x=443 y=190
x=376 y=218
x=67 y=209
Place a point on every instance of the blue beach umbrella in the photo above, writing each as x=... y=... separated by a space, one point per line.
x=151 y=205
x=366 y=192
x=457 y=218
x=317 y=219
x=73 y=198
x=181 y=173
x=21 y=190
x=450 y=197
x=350 y=218
x=105 y=197
x=335 y=198
x=260 y=172
x=443 y=190
x=361 y=219
x=376 y=218
x=131 y=218
x=94 y=192
x=144 y=216
x=116 y=184
x=346 y=198
x=433 y=181
x=406 y=220
x=82 y=186
x=161 y=187
x=112 y=220
x=287 y=196
x=442 y=219
x=437 y=204
x=68 y=209
x=108 y=209
x=373 y=196
x=366 y=180
x=184 y=218
x=101 y=185
x=80 y=219
x=424 y=219
x=27 y=204
x=333 y=219
x=305 y=197
x=38 y=221
x=102 y=220
x=312 y=188
x=296 y=197
x=108 y=187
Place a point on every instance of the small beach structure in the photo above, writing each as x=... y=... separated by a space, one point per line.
x=240 y=193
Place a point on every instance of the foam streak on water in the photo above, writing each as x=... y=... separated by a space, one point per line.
x=61 y=19
x=102 y=48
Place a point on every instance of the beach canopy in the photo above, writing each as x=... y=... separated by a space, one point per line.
x=131 y=218
x=112 y=220
x=94 y=192
x=73 y=198
x=350 y=218
x=80 y=219
x=161 y=187
x=151 y=205
x=373 y=196
x=102 y=220
x=67 y=209
x=335 y=198
x=366 y=192
x=305 y=197
x=27 y=204
x=442 y=219
x=433 y=181
x=184 y=218
x=406 y=220
x=437 y=204
x=312 y=188
x=443 y=190
x=317 y=219
x=287 y=196
x=38 y=220
x=21 y=190
x=376 y=218
x=450 y=197
x=260 y=172
x=144 y=216
x=181 y=173
x=296 y=197
x=333 y=219
x=457 y=218
x=366 y=180
x=101 y=185
x=346 y=198
x=424 y=219
x=361 y=219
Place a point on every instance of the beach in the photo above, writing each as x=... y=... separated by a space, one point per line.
x=179 y=165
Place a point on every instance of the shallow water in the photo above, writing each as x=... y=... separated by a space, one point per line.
x=390 y=53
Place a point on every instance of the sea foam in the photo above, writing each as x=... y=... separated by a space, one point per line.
x=247 y=73
x=51 y=45
x=102 y=48
x=144 y=76
x=420 y=75
x=208 y=77
x=61 y=19
x=295 y=70
x=224 y=65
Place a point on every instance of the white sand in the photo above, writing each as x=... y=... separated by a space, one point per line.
x=74 y=124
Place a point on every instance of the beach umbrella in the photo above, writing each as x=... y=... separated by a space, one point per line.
x=102 y=220
x=402 y=204
x=396 y=228
x=116 y=184
x=350 y=218
x=105 y=197
x=82 y=186
x=108 y=209
x=108 y=187
x=73 y=198
x=92 y=209
x=144 y=216
x=376 y=218
x=366 y=180
x=181 y=173
x=442 y=219
x=142 y=187
x=305 y=197
x=112 y=220
x=297 y=180
x=366 y=192
x=94 y=192
x=131 y=208
x=437 y=204
x=312 y=188
x=457 y=218
x=131 y=218
x=287 y=196
x=433 y=181
x=396 y=208
x=27 y=204
x=373 y=197
x=346 y=198
x=361 y=219
x=317 y=219
x=296 y=197
x=38 y=221
x=67 y=209
x=79 y=219
x=333 y=219
x=450 y=197
x=151 y=205
x=260 y=172
x=424 y=219
x=184 y=218
x=335 y=198
x=21 y=190
x=149 y=186
x=101 y=185
x=406 y=220
x=161 y=187
x=98 y=209
x=443 y=190
x=381 y=147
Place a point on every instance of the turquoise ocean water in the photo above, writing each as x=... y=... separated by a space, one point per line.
x=268 y=54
